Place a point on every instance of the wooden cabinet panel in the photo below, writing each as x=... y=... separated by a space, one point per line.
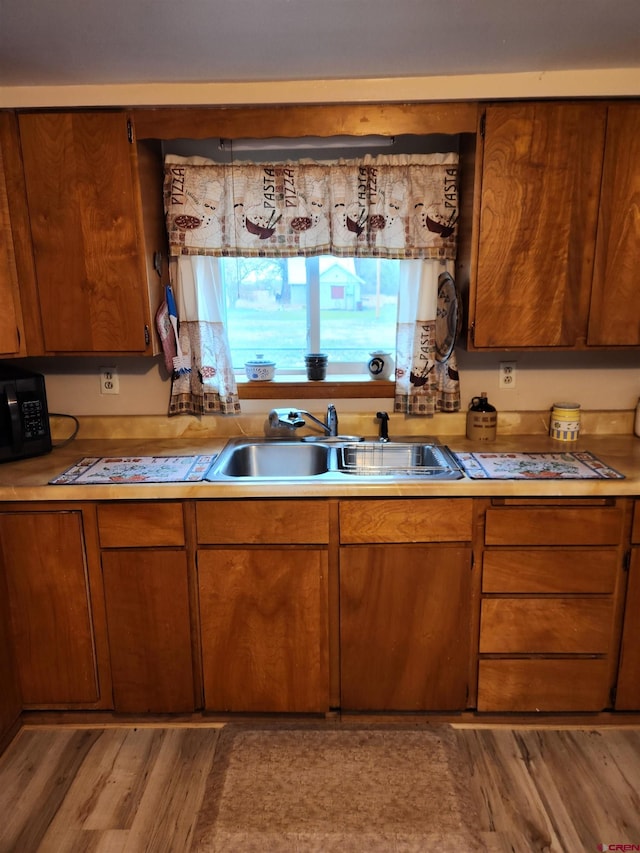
x=268 y=522
x=556 y=570
x=540 y=187
x=635 y=532
x=49 y=601
x=10 y=699
x=628 y=692
x=147 y=602
x=614 y=319
x=86 y=225
x=546 y=625
x=132 y=525
x=406 y=520
x=405 y=617
x=554 y=526
x=11 y=342
x=264 y=624
x=543 y=685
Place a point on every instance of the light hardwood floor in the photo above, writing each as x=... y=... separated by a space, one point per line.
x=133 y=789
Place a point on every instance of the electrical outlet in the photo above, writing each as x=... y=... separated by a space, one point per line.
x=507 y=374
x=109 y=381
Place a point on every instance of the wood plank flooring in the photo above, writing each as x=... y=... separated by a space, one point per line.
x=563 y=790
x=138 y=789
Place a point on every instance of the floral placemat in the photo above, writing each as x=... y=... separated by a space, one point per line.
x=578 y=465
x=136 y=469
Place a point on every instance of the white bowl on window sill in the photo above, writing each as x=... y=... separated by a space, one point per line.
x=260 y=370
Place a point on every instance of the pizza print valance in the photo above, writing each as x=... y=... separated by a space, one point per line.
x=388 y=207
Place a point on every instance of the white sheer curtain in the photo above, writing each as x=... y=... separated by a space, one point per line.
x=426 y=368
x=208 y=384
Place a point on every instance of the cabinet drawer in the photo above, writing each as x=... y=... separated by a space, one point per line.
x=590 y=570
x=423 y=520
x=543 y=685
x=268 y=522
x=140 y=525
x=545 y=625
x=553 y=526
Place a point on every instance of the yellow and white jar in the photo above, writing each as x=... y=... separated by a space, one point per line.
x=565 y=421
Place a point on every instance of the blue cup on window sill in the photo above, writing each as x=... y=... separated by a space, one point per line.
x=316 y=364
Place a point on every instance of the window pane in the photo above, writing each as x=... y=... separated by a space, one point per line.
x=269 y=310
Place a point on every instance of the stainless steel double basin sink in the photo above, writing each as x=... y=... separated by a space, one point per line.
x=333 y=459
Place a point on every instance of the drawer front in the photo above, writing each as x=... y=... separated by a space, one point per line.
x=140 y=525
x=426 y=520
x=543 y=685
x=590 y=570
x=268 y=522
x=546 y=626
x=553 y=526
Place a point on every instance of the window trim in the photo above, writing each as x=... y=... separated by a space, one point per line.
x=334 y=387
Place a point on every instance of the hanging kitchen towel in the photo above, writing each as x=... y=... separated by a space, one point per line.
x=136 y=469
x=165 y=333
x=579 y=465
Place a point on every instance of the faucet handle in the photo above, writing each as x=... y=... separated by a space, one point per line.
x=332 y=420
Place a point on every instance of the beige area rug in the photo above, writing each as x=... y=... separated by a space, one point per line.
x=347 y=788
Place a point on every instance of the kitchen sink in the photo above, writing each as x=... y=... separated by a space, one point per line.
x=273 y=459
x=334 y=459
x=374 y=458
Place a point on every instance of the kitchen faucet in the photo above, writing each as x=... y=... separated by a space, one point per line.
x=294 y=418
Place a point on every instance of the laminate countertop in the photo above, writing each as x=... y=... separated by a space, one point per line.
x=28 y=479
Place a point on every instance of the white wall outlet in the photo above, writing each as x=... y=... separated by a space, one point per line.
x=109 y=380
x=507 y=374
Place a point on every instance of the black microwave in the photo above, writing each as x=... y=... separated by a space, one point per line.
x=24 y=418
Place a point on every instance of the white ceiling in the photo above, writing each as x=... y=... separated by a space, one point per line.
x=81 y=42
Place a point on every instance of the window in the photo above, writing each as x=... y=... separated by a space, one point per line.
x=284 y=307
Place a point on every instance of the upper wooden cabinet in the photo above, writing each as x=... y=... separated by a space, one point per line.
x=86 y=185
x=12 y=340
x=614 y=319
x=536 y=226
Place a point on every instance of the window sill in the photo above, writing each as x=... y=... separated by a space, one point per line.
x=299 y=387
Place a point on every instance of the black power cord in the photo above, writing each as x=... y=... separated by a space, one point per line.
x=74 y=433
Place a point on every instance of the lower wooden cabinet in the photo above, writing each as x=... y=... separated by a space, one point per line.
x=147 y=600
x=264 y=628
x=148 y=620
x=10 y=699
x=405 y=622
x=552 y=586
x=303 y=606
x=628 y=688
x=48 y=566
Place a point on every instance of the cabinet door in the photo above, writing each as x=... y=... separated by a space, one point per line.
x=628 y=692
x=405 y=615
x=540 y=184
x=49 y=602
x=84 y=208
x=264 y=624
x=615 y=302
x=11 y=315
x=10 y=699
x=147 y=602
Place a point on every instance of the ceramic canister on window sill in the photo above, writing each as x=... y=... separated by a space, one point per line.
x=564 y=424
